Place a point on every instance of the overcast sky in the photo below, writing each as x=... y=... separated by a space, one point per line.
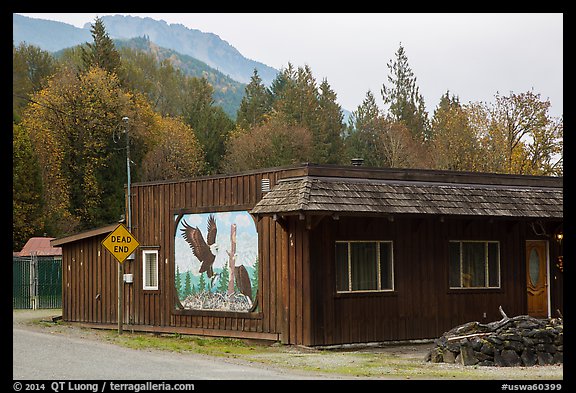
x=472 y=55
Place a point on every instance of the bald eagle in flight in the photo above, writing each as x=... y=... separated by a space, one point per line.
x=205 y=251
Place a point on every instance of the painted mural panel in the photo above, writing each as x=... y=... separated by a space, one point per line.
x=216 y=258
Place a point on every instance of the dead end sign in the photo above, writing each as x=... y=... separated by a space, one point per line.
x=121 y=243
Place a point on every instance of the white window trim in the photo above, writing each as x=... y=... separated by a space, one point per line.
x=379 y=284
x=145 y=271
x=486 y=272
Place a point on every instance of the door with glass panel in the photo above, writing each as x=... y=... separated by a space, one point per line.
x=537 y=278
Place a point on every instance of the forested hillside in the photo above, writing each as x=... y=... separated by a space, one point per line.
x=228 y=92
x=72 y=115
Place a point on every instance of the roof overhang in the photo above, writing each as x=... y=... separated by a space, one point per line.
x=354 y=196
x=83 y=235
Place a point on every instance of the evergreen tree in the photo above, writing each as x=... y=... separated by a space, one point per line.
x=255 y=279
x=187 y=285
x=363 y=140
x=209 y=123
x=202 y=285
x=224 y=278
x=255 y=104
x=281 y=86
x=102 y=52
x=295 y=96
x=365 y=113
x=327 y=140
x=299 y=101
x=178 y=282
x=406 y=104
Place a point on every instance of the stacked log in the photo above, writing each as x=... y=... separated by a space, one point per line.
x=518 y=341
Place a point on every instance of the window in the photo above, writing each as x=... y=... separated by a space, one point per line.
x=364 y=266
x=150 y=269
x=474 y=264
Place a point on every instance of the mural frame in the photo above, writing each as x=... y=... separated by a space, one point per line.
x=177 y=309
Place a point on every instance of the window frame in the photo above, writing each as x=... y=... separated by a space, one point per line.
x=145 y=276
x=378 y=263
x=486 y=265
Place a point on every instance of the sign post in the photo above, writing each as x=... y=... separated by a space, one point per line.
x=121 y=243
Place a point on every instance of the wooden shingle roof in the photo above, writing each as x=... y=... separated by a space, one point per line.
x=370 y=196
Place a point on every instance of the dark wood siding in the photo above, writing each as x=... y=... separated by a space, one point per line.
x=154 y=208
x=89 y=280
x=421 y=305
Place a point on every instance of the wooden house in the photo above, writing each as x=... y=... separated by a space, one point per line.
x=325 y=255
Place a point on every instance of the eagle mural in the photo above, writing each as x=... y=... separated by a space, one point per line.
x=205 y=251
x=224 y=245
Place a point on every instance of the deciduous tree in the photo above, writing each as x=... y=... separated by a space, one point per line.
x=27 y=218
x=518 y=135
x=173 y=152
x=275 y=142
x=454 y=144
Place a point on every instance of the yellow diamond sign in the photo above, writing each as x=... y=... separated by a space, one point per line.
x=121 y=243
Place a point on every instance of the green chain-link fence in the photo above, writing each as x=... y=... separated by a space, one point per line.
x=36 y=282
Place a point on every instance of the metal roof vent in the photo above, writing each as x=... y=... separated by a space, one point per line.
x=265 y=185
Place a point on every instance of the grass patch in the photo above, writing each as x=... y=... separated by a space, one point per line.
x=226 y=347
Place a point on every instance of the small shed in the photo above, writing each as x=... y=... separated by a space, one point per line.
x=37 y=275
x=323 y=255
x=39 y=246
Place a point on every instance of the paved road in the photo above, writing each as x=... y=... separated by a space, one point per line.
x=42 y=355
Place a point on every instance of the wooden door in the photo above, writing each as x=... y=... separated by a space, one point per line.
x=537 y=278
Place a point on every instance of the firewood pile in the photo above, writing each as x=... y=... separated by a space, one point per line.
x=518 y=341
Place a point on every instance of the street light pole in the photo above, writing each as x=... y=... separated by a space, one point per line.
x=129 y=222
x=129 y=214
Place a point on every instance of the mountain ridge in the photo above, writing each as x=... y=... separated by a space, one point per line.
x=206 y=47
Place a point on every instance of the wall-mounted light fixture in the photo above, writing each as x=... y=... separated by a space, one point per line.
x=559 y=236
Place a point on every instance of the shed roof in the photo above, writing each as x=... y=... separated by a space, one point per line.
x=83 y=235
x=40 y=246
x=310 y=194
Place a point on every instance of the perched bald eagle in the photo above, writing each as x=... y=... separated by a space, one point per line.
x=243 y=281
x=205 y=251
